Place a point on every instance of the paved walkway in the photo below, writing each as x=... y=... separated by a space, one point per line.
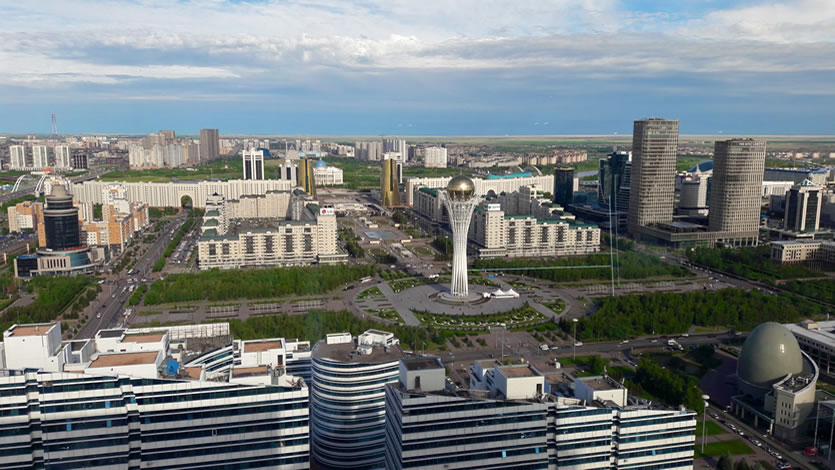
x=408 y=317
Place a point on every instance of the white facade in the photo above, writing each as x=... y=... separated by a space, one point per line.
x=253 y=164
x=482 y=186
x=327 y=175
x=40 y=157
x=63 y=158
x=17 y=160
x=35 y=346
x=460 y=213
x=435 y=157
x=157 y=155
x=170 y=194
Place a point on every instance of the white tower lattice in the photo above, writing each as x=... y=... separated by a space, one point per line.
x=460 y=201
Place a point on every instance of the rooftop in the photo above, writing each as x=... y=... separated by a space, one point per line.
x=600 y=383
x=259 y=346
x=193 y=372
x=347 y=352
x=111 y=333
x=241 y=372
x=422 y=363
x=124 y=359
x=144 y=338
x=516 y=371
x=31 y=330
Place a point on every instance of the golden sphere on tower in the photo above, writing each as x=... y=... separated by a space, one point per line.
x=460 y=188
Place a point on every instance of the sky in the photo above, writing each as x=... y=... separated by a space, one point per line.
x=419 y=67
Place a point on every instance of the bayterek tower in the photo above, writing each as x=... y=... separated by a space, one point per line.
x=460 y=200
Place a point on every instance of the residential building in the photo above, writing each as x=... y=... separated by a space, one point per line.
x=79 y=161
x=63 y=156
x=209 y=144
x=396 y=145
x=40 y=157
x=307 y=179
x=435 y=157
x=800 y=251
x=253 y=163
x=736 y=190
x=613 y=181
x=652 y=191
x=105 y=403
x=389 y=184
x=525 y=419
x=327 y=175
x=803 y=207
x=369 y=151
x=563 y=186
x=25 y=215
x=496 y=183
x=172 y=194
x=558 y=157
x=17 y=158
x=348 y=398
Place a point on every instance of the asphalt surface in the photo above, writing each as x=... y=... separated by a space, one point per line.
x=109 y=306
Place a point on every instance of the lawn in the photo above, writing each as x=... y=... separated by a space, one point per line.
x=224 y=169
x=713 y=429
x=373 y=293
x=718 y=449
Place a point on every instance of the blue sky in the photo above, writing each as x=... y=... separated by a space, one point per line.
x=427 y=67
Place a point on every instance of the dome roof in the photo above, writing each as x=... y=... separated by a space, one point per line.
x=769 y=354
x=702 y=167
x=321 y=164
x=460 y=188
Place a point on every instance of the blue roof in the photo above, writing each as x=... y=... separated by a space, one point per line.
x=524 y=174
x=704 y=166
x=321 y=164
x=266 y=151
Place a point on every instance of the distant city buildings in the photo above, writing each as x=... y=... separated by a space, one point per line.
x=369 y=151
x=736 y=190
x=390 y=183
x=120 y=221
x=613 y=181
x=159 y=150
x=63 y=157
x=652 y=192
x=209 y=144
x=483 y=186
x=435 y=157
x=563 y=186
x=803 y=207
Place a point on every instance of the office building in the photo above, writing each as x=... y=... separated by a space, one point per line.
x=348 y=398
x=327 y=175
x=253 y=163
x=174 y=193
x=40 y=157
x=25 y=215
x=121 y=401
x=79 y=161
x=817 y=176
x=369 y=151
x=563 y=186
x=61 y=221
x=803 y=207
x=652 y=191
x=17 y=158
x=307 y=178
x=801 y=251
x=496 y=183
x=693 y=195
x=396 y=145
x=817 y=339
x=613 y=180
x=522 y=418
x=63 y=158
x=389 y=187
x=434 y=157
x=209 y=144
x=736 y=190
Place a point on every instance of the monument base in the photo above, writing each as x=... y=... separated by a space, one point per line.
x=470 y=299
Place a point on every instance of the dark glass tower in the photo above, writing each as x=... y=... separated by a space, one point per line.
x=61 y=221
x=563 y=186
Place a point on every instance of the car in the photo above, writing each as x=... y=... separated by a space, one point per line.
x=654 y=341
x=98 y=315
x=554 y=347
x=578 y=344
x=543 y=347
x=685 y=335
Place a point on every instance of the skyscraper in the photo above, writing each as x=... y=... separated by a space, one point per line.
x=736 y=190
x=652 y=192
x=61 y=221
x=40 y=158
x=435 y=157
x=209 y=144
x=613 y=176
x=62 y=156
x=389 y=186
x=17 y=160
x=563 y=186
x=306 y=178
x=253 y=161
x=803 y=207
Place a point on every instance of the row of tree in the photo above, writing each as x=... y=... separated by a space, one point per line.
x=52 y=296
x=672 y=386
x=751 y=263
x=628 y=316
x=444 y=247
x=254 y=283
x=823 y=290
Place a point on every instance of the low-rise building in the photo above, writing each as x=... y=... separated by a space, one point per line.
x=327 y=175
x=799 y=251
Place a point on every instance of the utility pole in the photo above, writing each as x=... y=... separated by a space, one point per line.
x=704 y=421
x=574 y=320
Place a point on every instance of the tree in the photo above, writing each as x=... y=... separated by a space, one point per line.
x=726 y=462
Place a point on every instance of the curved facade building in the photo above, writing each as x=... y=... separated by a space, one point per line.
x=348 y=398
x=61 y=221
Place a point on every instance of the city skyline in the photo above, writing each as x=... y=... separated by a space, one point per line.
x=381 y=67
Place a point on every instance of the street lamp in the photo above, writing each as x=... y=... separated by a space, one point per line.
x=704 y=421
x=574 y=320
x=504 y=328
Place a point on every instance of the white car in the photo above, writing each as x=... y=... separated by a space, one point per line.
x=543 y=347
x=578 y=343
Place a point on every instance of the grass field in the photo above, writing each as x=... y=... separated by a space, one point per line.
x=718 y=449
x=713 y=429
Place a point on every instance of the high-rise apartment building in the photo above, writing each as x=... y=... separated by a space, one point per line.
x=63 y=157
x=79 y=161
x=348 y=398
x=736 y=190
x=253 y=162
x=563 y=186
x=435 y=157
x=613 y=177
x=17 y=157
x=803 y=207
x=307 y=178
x=652 y=191
x=395 y=144
x=40 y=157
x=389 y=187
x=209 y=144
x=369 y=151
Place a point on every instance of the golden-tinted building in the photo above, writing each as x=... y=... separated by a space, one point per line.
x=306 y=179
x=389 y=184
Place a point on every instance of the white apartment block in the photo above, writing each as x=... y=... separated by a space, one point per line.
x=63 y=157
x=497 y=184
x=799 y=251
x=116 y=402
x=435 y=157
x=17 y=157
x=171 y=194
x=253 y=164
x=524 y=419
x=156 y=156
x=40 y=157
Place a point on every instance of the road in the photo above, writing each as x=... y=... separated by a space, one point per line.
x=92 y=174
x=109 y=305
